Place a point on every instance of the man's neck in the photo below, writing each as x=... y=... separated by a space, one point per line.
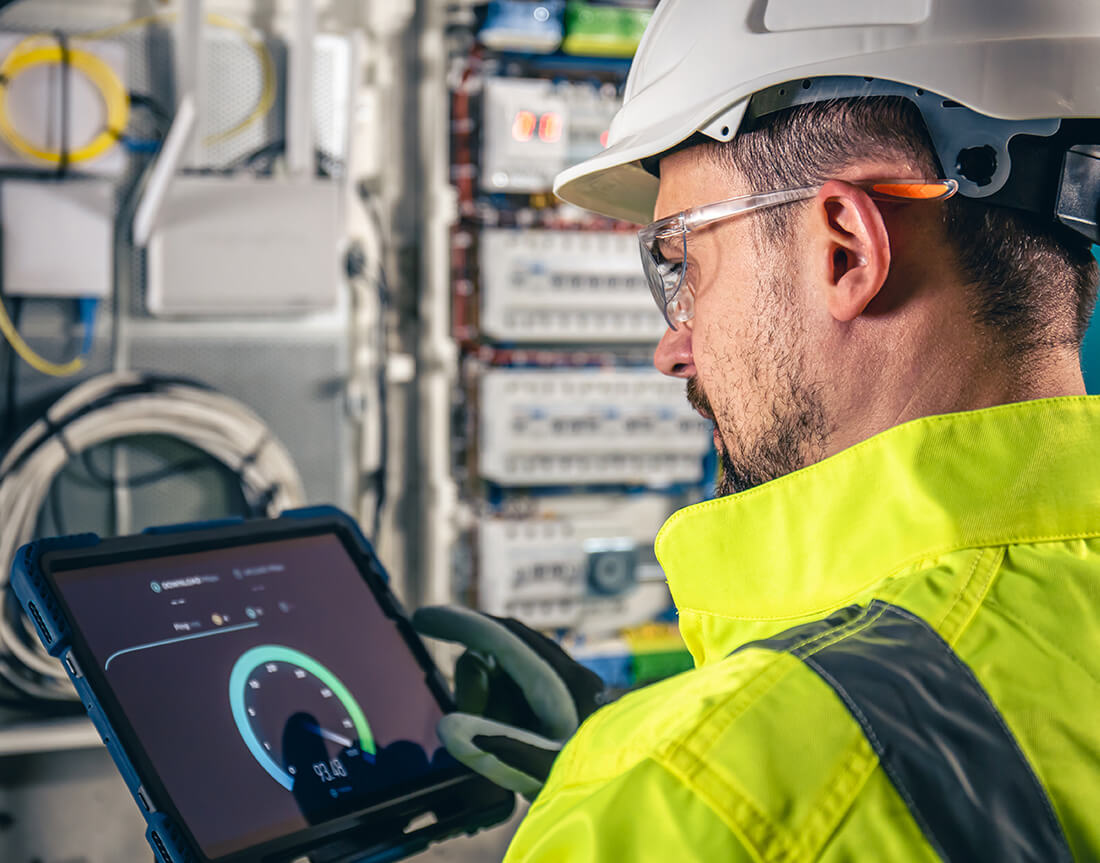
x=950 y=381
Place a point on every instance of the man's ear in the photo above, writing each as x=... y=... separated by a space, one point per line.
x=853 y=248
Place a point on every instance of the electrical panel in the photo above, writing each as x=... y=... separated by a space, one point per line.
x=589 y=427
x=569 y=449
x=551 y=286
x=534 y=128
x=580 y=563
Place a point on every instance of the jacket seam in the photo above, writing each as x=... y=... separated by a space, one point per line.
x=790 y=847
x=856 y=766
x=876 y=744
x=741 y=698
x=994 y=557
x=1023 y=624
x=726 y=813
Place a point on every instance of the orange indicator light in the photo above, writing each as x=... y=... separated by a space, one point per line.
x=550 y=127
x=523 y=126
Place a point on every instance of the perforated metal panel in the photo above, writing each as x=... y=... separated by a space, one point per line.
x=294 y=382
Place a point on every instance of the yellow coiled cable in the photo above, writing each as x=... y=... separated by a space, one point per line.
x=110 y=87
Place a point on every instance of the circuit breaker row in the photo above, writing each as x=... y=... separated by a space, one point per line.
x=565 y=286
x=603 y=454
x=553 y=568
x=626 y=426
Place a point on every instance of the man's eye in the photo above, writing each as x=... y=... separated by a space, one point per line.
x=670 y=269
x=668 y=251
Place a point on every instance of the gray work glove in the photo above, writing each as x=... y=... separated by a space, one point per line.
x=519 y=696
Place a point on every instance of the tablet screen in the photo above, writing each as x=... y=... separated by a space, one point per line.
x=267 y=687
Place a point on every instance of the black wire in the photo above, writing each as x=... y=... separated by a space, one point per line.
x=325 y=165
x=66 y=97
x=11 y=384
x=356 y=266
x=248 y=160
x=155 y=109
x=104 y=480
x=383 y=408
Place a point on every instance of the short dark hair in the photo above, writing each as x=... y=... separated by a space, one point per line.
x=1035 y=282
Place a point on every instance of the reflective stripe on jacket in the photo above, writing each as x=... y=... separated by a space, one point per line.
x=897 y=660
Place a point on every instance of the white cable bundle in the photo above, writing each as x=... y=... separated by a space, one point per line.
x=107 y=408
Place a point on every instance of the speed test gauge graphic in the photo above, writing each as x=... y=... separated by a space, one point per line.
x=298 y=719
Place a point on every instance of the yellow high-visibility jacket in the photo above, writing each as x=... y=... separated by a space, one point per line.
x=897 y=659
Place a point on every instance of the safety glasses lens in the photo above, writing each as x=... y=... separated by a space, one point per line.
x=664 y=275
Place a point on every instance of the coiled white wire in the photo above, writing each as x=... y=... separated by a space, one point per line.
x=102 y=409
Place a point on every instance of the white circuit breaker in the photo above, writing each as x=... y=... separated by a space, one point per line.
x=531 y=570
x=546 y=286
x=589 y=568
x=624 y=426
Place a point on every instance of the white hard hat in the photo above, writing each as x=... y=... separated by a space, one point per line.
x=981 y=72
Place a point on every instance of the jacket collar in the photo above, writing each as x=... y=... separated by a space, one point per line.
x=808 y=543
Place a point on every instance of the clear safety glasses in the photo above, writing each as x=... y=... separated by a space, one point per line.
x=664 y=242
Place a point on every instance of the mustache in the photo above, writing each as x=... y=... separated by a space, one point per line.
x=698 y=399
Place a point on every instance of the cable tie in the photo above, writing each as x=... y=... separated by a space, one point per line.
x=53 y=430
x=250 y=457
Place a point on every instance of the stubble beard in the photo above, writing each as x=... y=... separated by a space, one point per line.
x=791 y=429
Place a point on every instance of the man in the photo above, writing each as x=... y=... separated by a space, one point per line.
x=877 y=290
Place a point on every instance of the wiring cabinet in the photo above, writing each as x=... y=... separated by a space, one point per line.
x=269 y=276
x=567 y=450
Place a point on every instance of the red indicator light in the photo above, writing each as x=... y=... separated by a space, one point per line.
x=603 y=138
x=523 y=126
x=550 y=127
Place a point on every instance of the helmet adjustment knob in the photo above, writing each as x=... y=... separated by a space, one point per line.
x=977 y=164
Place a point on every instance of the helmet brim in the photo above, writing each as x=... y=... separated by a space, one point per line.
x=614 y=183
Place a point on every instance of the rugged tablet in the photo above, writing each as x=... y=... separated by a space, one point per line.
x=259 y=688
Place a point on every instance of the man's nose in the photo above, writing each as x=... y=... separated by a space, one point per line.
x=673 y=356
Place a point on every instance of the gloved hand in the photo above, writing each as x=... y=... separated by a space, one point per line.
x=519 y=696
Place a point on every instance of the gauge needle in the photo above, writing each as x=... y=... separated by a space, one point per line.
x=331 y=735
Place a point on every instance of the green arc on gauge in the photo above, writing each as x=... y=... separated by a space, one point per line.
x=238 y=681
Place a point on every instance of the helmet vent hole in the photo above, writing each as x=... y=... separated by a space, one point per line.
x=806 y=84
x=977 y=164
x=725 y=131
x=782 y=92
x=951 y=103
x=920 y=92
